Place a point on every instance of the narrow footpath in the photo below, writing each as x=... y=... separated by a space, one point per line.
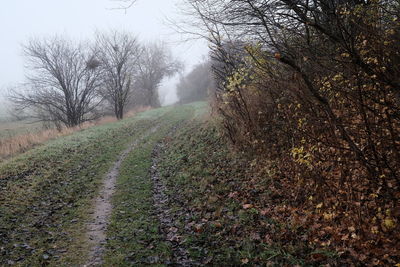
x=103 y=207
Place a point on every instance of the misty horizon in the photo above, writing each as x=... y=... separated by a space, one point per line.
x=45 y=19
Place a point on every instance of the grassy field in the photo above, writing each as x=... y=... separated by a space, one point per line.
x=20 y=136
x=214 y=204
x=9 y=128
x=4 y=114
x=46 y=193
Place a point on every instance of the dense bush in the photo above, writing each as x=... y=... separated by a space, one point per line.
x=313 y=88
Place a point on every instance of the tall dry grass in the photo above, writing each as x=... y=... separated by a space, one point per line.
x=15 y=145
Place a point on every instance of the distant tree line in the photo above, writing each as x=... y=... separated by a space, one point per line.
x=69 y=83
x=313 y=87
x=196 y=85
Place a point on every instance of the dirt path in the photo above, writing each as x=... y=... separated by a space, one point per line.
x=103 y=207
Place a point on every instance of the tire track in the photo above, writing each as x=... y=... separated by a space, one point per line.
x=167 y=218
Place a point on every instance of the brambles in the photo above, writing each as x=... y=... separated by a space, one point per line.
x=314 y=88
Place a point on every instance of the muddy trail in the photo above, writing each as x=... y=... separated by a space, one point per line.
x=103 y=207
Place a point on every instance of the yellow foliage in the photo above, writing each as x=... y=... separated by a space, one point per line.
x=388 y=223
x=328 y=216
x=301 y=156
x=374 y=230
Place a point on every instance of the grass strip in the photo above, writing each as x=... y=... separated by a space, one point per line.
x=134 y=237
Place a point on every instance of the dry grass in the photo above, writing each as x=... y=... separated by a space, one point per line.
x=20 y=143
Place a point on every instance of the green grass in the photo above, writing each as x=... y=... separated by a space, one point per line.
x=46 y=198
x=46 y=193
x=133 y=232
x=134 y=238
x=212 y=183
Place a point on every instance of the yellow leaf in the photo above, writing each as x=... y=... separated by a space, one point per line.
x=375 y=230
x=389 y=223
x=328 y=216
x=373 y=195
x=352 y=229
x=319 y=205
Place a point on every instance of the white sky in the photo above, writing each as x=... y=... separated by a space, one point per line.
x=21 y=20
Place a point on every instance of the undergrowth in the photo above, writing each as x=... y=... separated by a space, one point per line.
x=230 y=218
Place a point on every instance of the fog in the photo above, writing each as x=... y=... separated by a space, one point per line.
x=21 y=20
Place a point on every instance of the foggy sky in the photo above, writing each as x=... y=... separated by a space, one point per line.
x=21 y=20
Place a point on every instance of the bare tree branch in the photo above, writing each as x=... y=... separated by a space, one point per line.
x=155 y=64
x=124 y=4
x=119 y=54
x=62 y=82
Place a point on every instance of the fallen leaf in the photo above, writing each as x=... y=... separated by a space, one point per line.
x=217 y=225
x=352 y=229
x=198 y=228
x=318 y=257
x=264 y=212
x=248 y=206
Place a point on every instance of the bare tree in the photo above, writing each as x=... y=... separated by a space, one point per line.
x=62 y=83
x=156 y=63
x=119 y=54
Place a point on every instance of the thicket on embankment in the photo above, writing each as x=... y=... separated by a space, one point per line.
x=313 y=90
